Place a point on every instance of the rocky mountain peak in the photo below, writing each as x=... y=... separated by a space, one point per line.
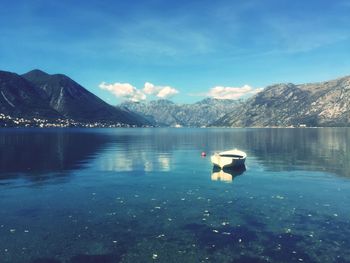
x=37 y=93
x=314 y=104
x=36 y=74
x=168 y=113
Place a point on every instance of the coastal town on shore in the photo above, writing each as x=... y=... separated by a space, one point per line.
x=9 y=121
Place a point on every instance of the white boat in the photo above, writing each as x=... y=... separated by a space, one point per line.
x=229 y=159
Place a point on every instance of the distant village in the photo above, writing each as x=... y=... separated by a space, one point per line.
x=8 y=121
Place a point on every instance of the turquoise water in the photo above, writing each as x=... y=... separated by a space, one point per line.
x=147 y=195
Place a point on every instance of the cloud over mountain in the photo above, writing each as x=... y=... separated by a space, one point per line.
x=159 y=91
x=124 y=90
x=129 y=92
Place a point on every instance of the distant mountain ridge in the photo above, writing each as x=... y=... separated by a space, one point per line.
x=167 y=113
x=39 y=94
x=314 y=104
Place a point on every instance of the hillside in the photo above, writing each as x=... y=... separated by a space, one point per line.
x=167 y=113
x=20 y=98
x=75 y=102
x=315 y=104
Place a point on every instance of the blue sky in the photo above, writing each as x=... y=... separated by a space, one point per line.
x=188 y=46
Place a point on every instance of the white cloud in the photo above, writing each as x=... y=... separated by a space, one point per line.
x=166 y=92
x=128 y=91
x=233 y=93
x=124 y=90
x=159 y=91
x=149 y=88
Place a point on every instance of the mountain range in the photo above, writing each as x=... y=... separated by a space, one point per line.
x=38 y=94
x=315 y=104
x=167 y=113
x=42 y=95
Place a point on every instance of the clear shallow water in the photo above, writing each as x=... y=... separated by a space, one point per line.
x=146 y=195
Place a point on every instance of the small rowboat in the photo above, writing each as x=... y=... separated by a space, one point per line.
x=229 y=159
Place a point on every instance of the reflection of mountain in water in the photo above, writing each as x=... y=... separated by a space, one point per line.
x=135 y=161
x=143 y=150
x=33 y=152
x=226 y=175
x=323 y=149
x=326 y=149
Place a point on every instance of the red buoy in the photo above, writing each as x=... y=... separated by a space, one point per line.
x=203 y=154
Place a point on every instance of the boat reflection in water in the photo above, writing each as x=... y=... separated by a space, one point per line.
x=226 y=175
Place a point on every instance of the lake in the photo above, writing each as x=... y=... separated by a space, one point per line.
x=147 y=195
